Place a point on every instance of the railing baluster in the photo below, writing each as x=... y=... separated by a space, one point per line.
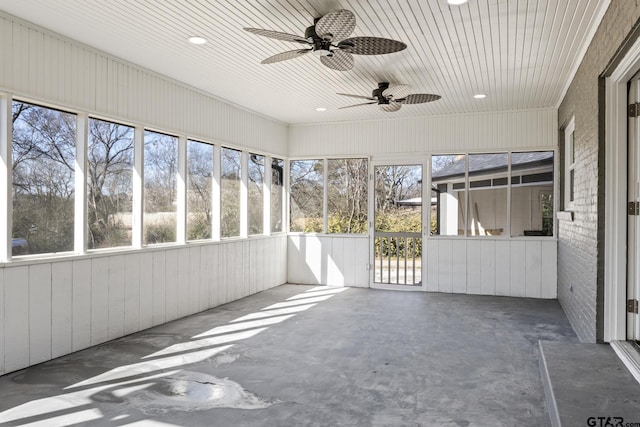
x=406 y=248
x=413 y=256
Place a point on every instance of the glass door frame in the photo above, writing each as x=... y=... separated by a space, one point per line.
x=422 y=161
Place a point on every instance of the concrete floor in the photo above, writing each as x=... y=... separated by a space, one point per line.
x=302 y=355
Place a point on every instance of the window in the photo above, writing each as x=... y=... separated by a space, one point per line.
x=485 y=182
x=532 y=193
x=488 y=189
x=307 y=193
x=109 y=184
x=569 y=164
x=160 y=186
x=277 y=194
x=44 y=144
x=199 y=188
x=230 y=192
x=448 y=192
x=256 y=196
x=347 y=195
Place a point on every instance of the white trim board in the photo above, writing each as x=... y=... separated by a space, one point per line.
x=615 y=236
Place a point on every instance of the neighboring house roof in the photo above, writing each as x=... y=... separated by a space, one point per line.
x=485 y=163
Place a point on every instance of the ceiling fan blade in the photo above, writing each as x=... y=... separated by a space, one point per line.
x=357 y=96
x=397 y=92
x=339 y=60
x=420 y=98
x=371 y=45
x=357 y=105
x=284 y=56
x=390 y=107
x=277 y=35
x=336 y=25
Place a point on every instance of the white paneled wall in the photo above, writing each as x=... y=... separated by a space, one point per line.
x=49 y=68
x=478 y=266
x=51 y=308
x=334 y=260
x=508 y=267
x=466 y=132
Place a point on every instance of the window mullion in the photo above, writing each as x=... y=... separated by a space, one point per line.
x=80 y=196
x=266 y=193
x=6 y=186
x=216 y=210
x=181 y=208
x=138 y=183
x=325 y=196
x=244 y=194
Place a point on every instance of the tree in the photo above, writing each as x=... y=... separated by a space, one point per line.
x=347 y=195
x=109 y=190
x=43 y=177
x=200 y=172
x=160 y=186
x=307 y=189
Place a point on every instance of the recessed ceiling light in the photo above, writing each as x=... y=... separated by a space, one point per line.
x=197 y=40
x=321 y=109
x=479 y=95
x=456 y=2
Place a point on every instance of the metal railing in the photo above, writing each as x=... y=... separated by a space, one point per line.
x=398 y=258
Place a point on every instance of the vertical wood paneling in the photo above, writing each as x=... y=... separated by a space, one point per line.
x=214 y=273
x=533 y=273
x=445 y=266
x=336 y=266
x=16 y=320
x=474 y=267
x=39 y=313
x=294 y=259
x=146 y=290
x=361 y=274
x=99 y=294
x=132 y=293
x=313 y=253
x=116 y=296
x=171 y=274
x=549 y=277
x=61 y=308
x=81 y=316
x=518 y=268
x=183 y=281
x=459 y=266
x=503 y=267
x=256 y=265
x=433 y=261
x=242 y=251
x=205 y=277
x=488 y=267
x=159 y=294
x=194 y=279
x=350 y=259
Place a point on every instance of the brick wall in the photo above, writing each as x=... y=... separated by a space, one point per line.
x=580 y=254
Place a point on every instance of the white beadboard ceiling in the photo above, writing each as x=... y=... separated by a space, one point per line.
x=521 y=53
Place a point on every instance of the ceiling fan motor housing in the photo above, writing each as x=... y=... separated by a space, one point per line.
x=377 y=93
x=321 y=47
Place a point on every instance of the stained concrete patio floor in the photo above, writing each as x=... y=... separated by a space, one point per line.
x=303 y=355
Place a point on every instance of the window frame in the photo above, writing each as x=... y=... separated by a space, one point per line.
x=569 y=165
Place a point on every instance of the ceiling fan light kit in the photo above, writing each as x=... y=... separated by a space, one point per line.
x=328 y=39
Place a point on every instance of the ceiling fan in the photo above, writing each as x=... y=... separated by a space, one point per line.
x=327 y=38
x=391 y=97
